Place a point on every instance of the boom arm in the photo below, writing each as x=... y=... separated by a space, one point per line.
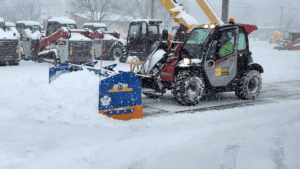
x=182 y=17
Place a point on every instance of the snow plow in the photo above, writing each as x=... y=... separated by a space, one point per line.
x=120 y=94
x=9 y=46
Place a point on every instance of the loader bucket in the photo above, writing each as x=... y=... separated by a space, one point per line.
x=120 y=97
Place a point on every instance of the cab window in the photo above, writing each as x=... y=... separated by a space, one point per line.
x=242 y=42
x=134 y=30
x=227 y=43
x=2 y=25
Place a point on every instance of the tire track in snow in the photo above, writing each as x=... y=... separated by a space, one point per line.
x=278 y=152
x=230 y=155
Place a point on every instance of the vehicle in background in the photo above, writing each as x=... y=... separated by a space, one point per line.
x=109 y=46
x=30 y=34
x=55 y=23
x=8 y=46
x=65 y=43
x=291 y=42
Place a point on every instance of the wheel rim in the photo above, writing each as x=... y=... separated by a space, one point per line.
x=117 y=53
x=194 y=88
x=253 y=85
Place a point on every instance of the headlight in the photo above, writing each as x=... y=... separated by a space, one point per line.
x=186 y=61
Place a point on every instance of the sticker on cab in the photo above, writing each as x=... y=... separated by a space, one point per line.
x=222 y=71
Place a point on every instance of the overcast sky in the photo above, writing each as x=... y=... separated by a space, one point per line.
x=260 y=12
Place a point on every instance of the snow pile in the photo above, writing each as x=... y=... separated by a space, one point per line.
x=1 y=19
x=72 y=98
x=10 y=24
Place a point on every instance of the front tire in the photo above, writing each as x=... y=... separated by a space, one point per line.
x=249 y=85
x=189 y=88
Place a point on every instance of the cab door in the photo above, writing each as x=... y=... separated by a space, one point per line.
x=221 y=61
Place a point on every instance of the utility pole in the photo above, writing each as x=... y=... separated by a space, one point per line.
x=281 y=16
x=225 y=11
x=152 y=9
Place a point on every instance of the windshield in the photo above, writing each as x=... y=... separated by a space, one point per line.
x=35 y=28
x=71 y=26
x=194 y=43
x=198 y=36
x=135 y=30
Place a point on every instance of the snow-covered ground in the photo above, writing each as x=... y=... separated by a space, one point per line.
x=57 y=125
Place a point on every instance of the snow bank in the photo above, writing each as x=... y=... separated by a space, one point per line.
x=1 y=19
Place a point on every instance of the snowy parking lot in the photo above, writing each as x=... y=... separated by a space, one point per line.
x=58 y=125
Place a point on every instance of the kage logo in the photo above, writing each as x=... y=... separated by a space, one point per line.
x=120 y=88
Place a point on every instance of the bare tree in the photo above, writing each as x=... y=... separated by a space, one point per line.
x=28 y=10
x=94 y=10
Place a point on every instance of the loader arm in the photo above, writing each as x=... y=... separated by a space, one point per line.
x=61 y=33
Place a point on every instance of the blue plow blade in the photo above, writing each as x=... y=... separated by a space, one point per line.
x=56 y=71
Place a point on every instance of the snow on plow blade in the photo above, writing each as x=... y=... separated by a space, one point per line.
x=56 y=71
x=121 y=97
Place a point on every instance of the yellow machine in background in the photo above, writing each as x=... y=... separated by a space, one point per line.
x=277 y=36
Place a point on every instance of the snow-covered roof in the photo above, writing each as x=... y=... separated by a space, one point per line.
x=31 y=23
x=1 y=20
x=62 y=20
x=95 y=24
x=78 y=37
x=147 y=20
x=6 y=35
x=9 y=24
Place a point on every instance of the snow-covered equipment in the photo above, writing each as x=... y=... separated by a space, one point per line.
x=120 y=97
x=213 y=59
x=30 y=35
x=9 y=46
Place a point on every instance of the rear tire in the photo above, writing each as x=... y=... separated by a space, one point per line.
x=117 y=51
x=189 y=88
x=249 y=85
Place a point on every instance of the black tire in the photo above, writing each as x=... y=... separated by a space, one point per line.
x=189 y=88
x=249 y=85
x=117 y=51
